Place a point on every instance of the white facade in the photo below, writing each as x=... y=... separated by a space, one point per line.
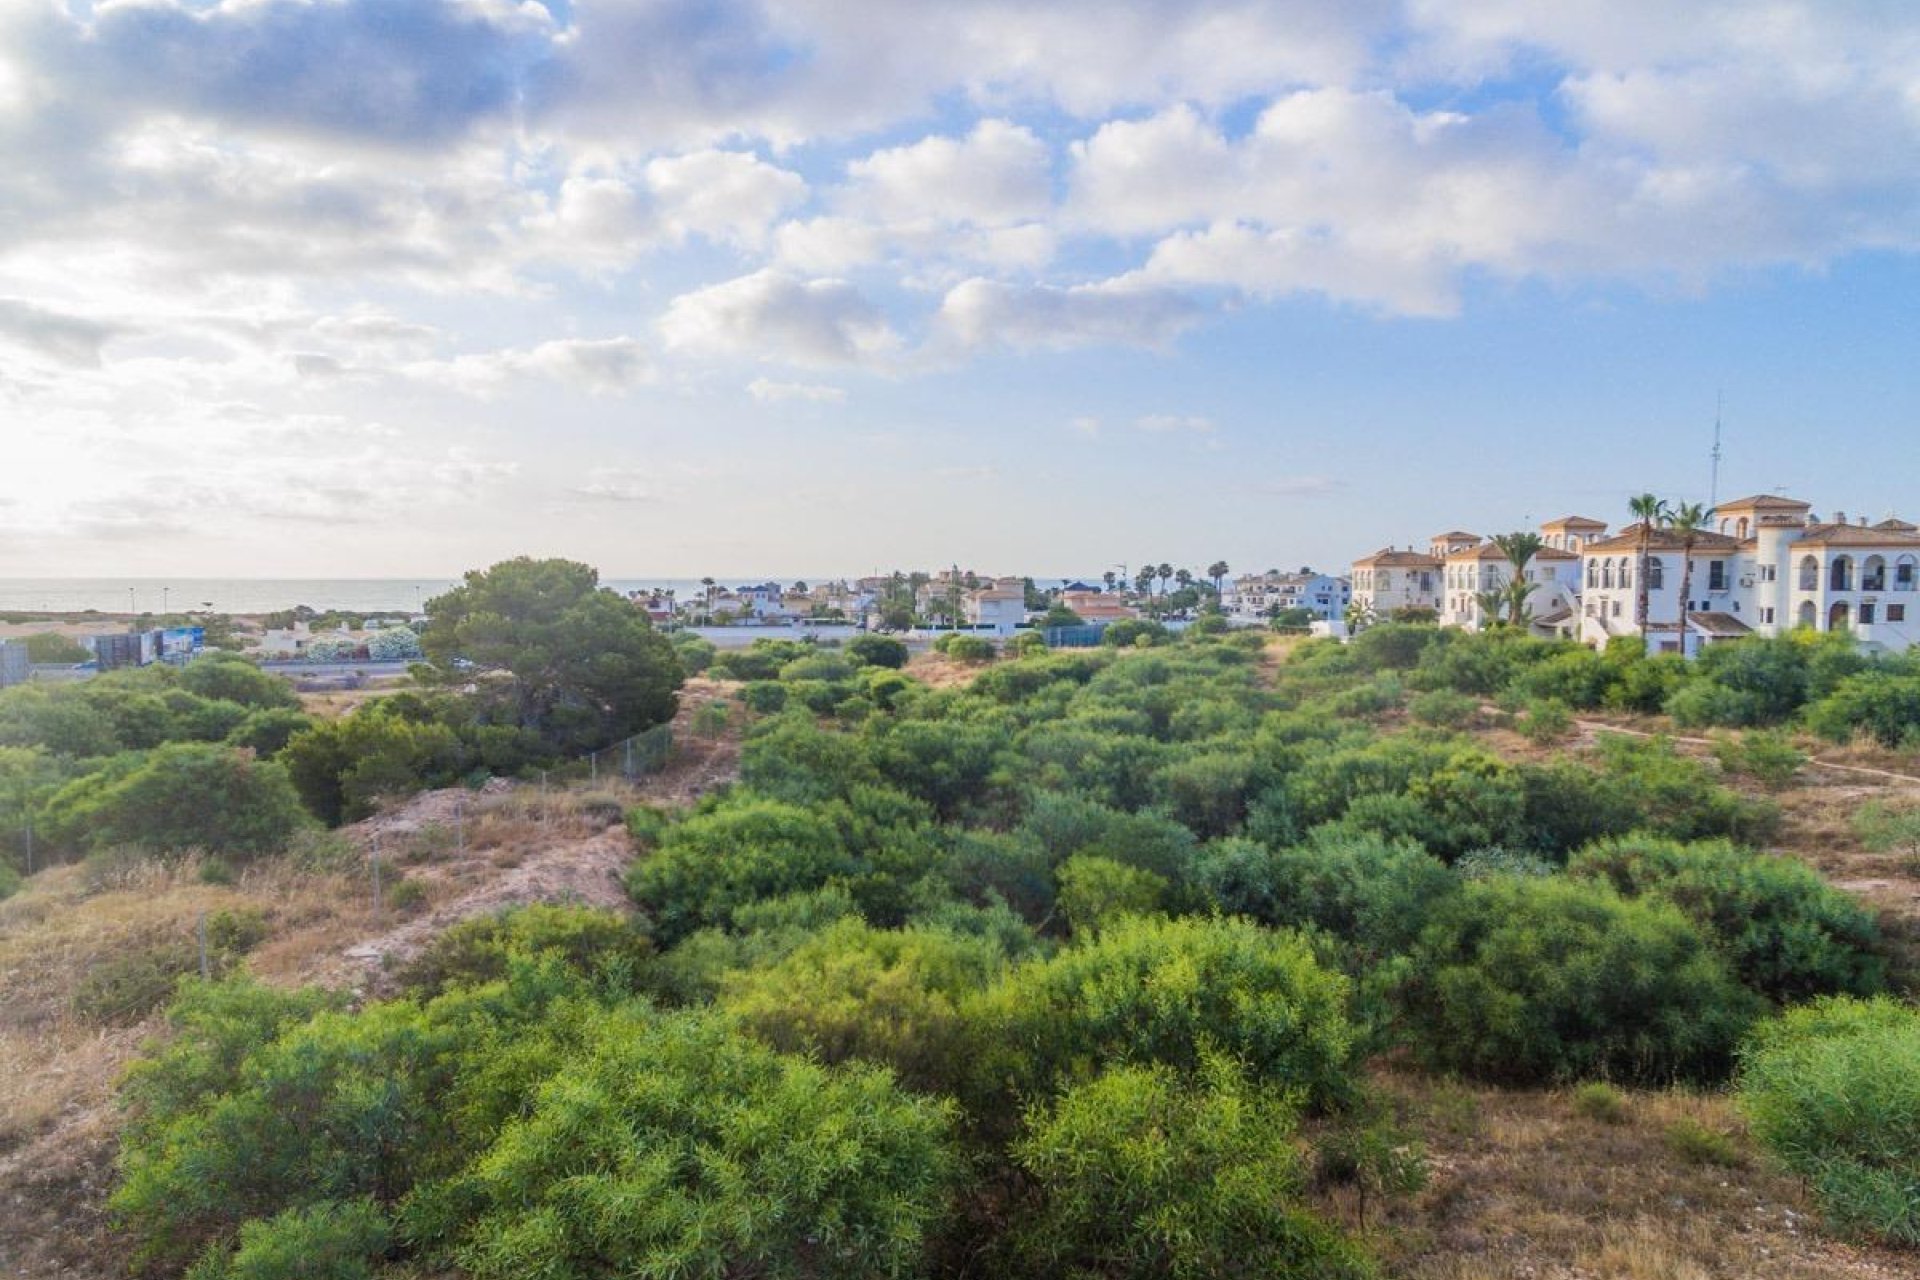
x=1389 y=581
x=1766 y=567
x=999 y=608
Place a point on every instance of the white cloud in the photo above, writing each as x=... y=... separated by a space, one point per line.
x=981 y=313
x=770 y=315
x=52 y=335
x=767 y=391
x=604 y=366
x=998 y=174
x=1166 y=423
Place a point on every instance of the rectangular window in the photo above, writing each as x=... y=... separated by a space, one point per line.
x=1766 y=616
x=1866 y=613
x=1896 y=613
x=1717 y=576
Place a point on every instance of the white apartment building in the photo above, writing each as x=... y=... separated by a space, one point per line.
x=1257 y=596
x=1768 y=565
x=1472 y=572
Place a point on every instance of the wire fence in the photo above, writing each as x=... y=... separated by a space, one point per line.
x=640 y=756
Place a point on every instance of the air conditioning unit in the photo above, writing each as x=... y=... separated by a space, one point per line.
x=1747 y=581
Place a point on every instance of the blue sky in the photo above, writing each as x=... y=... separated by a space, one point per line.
x=397 y=287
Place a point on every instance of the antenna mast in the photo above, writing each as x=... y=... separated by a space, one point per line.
x=1713 y=488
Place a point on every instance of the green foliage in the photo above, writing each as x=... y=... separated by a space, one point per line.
x=671 y=1146
x=1678 y=796
x=696 y=654
x=966 y=648
x=328 y=1241
x=1769 y=758
x=594 y=944
x=266 y=732
x=1445 y=708
x=892 y=997
x=1139 y=1173
x=225 y=677
x=1887 y=830
x=1526 y=980
x=576 y=665
x=1598 y=1100
x=1148 y=990
x=878 y=651
x=179 y=797
x=1096 y=891
x=343 y=768
x=1788 y=934
x=713 y=863
x=1832 y=1090
x=1547 y=720
x=1883 y=705
x=1695 y=1143
x=1134 y=633
x=1392 y=646
x=53 y=648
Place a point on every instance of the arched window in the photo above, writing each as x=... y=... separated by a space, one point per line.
x=1905 y=570
x=1593 y=574
x=1840 y=577
x=1807 y=613
x=1626 y=572
x=1606 y=573
x=1873 y=574
x=1809 y=574
x=1656 y=573
x=1839 y=617
x=1742 y=535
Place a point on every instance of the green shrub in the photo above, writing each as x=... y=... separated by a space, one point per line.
x=1882 y=704
x=696 y=653
x=877 y=651
x=182 y=796
x=1547 y=720
x=712 y=863
x=1887 y=830
x=673 y=1146
x=1130 y=633
x=586 y=941
x=328 y=1241
x=1696 y=1143
x=964 y=648
x=122 y=988
x=1445 y=708
x=1770 y=759
x=1597 y=1100
x=764 y=696
x=1525 y=981
x=1788 y=934
x=1096 y=891
x=1832 y=1090
x=1138 y=1174
x=1148 y=990
x=52 y=647
x=891 y=997
x=10 y=880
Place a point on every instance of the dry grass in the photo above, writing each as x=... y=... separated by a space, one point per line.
x=1524 y=1184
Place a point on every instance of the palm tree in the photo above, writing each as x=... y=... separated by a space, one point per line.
x=708 y=584
x=1109 y=577
x=1164 y=572
x=1183 y=578
x=1218 y=572
x=1518 y=548
x=1689 y=518
x=1649 y=511
x=1492 y=603
x=1143 y=582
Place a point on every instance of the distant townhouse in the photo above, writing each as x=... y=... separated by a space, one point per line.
x=1256 y=596
x=1097 y=606
x=1392 y=580
x=1475 y=574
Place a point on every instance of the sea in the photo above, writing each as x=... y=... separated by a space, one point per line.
x=267 y=595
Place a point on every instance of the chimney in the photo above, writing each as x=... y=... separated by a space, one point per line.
x=1862 y=522
x=1839 y=517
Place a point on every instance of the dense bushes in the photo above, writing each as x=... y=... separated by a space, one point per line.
x=178 y=797
x=1530 y=980
x=1788 y=934
x=1833 y=1090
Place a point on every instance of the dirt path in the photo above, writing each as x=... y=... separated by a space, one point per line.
x=1595 y=727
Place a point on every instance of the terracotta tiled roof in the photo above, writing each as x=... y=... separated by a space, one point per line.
x=1856 y=535
x=1458 y=535
x=1574 y=522
x=1763 y=502
x=1719 y=624
x=1555 y=553
x=1705 y=542
x=1553 y=619
x=1388 y=558
x=1485 y=551
x=1896 y=525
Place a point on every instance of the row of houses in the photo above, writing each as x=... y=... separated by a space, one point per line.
x=997 y=605
x=1255 y=597
x=1766 y=564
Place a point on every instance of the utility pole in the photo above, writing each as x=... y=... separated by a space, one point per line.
x=1713 y=486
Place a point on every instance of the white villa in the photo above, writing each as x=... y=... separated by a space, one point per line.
x=1766 y=565
x=998 y=606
